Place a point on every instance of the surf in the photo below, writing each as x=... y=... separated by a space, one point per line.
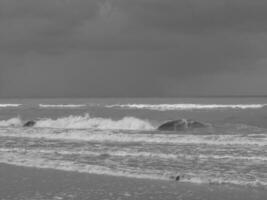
x=9 y=105
x=61 y=105
x=28 y=159
x=168 y=107
x=85 y=122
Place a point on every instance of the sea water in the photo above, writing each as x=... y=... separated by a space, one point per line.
x=119 y=137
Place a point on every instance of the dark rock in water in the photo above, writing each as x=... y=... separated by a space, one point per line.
x=177 y=178
x=29 y=123
x=181 y=125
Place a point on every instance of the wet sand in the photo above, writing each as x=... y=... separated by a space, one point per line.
x=23 y=183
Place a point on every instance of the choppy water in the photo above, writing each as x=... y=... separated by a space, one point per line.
x=119 y=137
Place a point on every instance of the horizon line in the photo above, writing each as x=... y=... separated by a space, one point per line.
x=182 y=96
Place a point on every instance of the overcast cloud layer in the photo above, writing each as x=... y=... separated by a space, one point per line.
x=96 y=48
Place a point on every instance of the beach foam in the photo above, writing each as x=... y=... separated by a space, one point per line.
x=129 y=153
x=32 y=160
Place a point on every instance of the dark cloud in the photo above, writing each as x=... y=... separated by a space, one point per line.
x=206 y=16
x=131 y=47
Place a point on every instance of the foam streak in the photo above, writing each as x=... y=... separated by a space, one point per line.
x=61 y=105
x=165 y=107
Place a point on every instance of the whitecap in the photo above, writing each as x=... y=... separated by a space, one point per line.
x=166 y=107
x=9 y=105
x=61 y=105
x=16 y=121
x=87 y=122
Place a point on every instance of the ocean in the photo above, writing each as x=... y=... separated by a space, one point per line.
x=119 y=137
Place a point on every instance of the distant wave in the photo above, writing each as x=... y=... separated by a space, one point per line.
x=9 y=105
x=164 y=107
x=86 y=122
x=61 y=105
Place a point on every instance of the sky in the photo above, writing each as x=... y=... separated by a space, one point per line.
x=132 y=48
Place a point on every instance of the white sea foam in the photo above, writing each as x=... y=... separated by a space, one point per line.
x=93 y=153
x=38 y=162
x=9 y=105
x=109 y=136
x=130 y=153
x=215 y=180
x=61 y=105
x=33 y=160
x=87 y=122
x=11 y=122
x=165 y=107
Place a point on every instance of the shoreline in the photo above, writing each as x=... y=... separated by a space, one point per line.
x=17 y=182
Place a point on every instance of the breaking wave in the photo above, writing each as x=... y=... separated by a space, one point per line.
x=86 y=122
x=166 y=107
x=61 y=105
x=11 y=122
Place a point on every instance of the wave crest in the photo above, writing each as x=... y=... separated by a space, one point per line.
x=165 y=107
x=87 y=122
x=61 y=105
x=16 y=121
x=9 y=105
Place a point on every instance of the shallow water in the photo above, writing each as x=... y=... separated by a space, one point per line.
x=119 y=137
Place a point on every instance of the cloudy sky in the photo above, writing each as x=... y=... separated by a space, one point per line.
x=114 y=48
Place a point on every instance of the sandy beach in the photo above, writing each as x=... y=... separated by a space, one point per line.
x=46 y=184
